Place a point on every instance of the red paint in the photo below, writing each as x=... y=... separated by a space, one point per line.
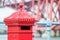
x=15 y=23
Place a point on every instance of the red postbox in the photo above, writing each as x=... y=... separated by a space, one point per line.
x=20 y=25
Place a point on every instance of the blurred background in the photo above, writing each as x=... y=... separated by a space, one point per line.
x=34 y=7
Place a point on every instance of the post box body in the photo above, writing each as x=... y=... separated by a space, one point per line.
x=16 y=33
x=19 y=26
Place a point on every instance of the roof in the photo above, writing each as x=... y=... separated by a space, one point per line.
x=20 y=16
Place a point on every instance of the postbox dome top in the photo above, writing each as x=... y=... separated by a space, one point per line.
x=19 y=17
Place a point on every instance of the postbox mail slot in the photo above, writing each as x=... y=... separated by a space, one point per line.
x=25 y=27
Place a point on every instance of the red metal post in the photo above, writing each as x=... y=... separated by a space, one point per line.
x=33 y=5
x=47 y=8
x=58 y=8
x=38 y=9
x=51 y=8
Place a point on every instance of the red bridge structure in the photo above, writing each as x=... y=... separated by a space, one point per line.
x=21 y=20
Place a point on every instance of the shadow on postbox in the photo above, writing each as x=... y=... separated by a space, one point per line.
x=20 y=25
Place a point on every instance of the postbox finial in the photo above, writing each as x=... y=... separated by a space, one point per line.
x=21 y=6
